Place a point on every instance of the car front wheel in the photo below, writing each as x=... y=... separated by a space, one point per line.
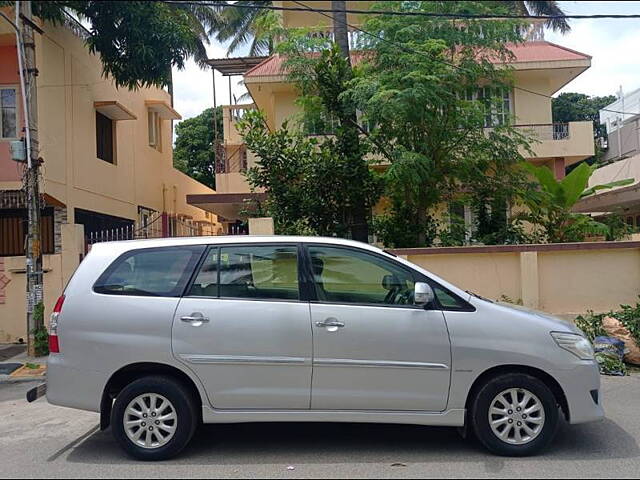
x=154 y=418
x=515 y=415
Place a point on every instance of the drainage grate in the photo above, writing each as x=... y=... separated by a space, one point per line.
x=11 y=351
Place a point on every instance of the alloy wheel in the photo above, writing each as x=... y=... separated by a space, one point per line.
x=150 y=420
x=516 y=416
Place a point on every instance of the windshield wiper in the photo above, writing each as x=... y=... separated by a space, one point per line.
x=473 y=294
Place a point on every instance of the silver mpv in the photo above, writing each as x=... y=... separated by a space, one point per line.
x=159 y=336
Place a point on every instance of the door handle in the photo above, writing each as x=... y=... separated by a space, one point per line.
x=330 y=322
x=195 y=319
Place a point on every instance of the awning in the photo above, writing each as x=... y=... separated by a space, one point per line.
x=163 y=109
x=227 y=205
x=114 y=110
x=618 y=200
x=235 y=66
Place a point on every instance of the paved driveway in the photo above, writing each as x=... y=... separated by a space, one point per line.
x=40 y=440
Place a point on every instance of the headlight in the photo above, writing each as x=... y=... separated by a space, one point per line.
x=576 y=344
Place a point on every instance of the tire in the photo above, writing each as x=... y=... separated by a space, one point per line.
x=169 y=430
x=512 y=435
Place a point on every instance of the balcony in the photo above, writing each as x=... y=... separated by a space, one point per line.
x=572 y=141
x=231 y=115
x=232 y=163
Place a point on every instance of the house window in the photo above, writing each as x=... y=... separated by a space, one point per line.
x=497 y=102
x=13 y=231
x=105 y=138
x=8 y=113
x=155 y=130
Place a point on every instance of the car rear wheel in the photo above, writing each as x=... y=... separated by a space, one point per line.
x=515 y=415
x=154 y=418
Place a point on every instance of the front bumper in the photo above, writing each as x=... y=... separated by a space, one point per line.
x=581 y=386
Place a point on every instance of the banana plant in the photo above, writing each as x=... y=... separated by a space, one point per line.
x=551 y=203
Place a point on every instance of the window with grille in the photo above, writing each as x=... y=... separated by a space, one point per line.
x=497 y=103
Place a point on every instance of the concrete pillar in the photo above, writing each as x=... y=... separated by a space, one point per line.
x=261 y=226
x=529 y=281
x=72 y=249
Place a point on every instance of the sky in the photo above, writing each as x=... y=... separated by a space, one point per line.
x=613 y=44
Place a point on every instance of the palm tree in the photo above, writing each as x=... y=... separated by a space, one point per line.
x=205 y=21
x=542 y=8
x=242 y=25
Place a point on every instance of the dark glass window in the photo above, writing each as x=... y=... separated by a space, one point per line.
x=349 y=276
x=206 y=282
x=448 y=300
x=104 y=138
x=161 y=272
x=259 y=272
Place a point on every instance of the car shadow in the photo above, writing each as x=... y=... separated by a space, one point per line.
x=322 y=443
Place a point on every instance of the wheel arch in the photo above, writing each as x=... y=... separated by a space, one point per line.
x=129 y=373
x=541 y=375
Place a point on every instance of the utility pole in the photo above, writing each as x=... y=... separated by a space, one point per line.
x=35 y=288
x=359 y=226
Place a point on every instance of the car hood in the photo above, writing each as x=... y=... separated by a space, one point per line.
x=551 y=322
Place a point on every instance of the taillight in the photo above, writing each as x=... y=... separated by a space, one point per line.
x=54 y=344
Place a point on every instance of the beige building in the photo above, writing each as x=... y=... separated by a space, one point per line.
x=539 y=66
x=107 y=167
x=622 y=161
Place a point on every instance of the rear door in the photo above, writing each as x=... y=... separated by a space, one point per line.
x=244 y=330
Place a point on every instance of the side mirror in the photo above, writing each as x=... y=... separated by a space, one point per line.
x=423 y=294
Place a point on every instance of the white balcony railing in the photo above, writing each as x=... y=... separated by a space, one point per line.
x=547 y=131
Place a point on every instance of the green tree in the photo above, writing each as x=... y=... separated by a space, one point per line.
x=550 y=206
x=138 y=42
x=307 y=183
x=419 y=90
x=321 y=73
x=577 y=107
x=193 y=151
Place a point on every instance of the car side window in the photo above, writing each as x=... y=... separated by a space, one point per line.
x=206 y=282
x=344 y=275
x=259 y=272
x=448 y=300
x=161 y=272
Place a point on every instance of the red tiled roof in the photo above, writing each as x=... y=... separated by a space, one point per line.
x=543 y=51
x=540 y=51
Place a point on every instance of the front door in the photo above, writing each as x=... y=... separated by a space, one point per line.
x=373 y=349
x=244 y=331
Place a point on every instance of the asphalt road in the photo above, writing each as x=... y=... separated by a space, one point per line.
x=39 y=440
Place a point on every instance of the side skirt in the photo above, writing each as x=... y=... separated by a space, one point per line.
x=449 y=418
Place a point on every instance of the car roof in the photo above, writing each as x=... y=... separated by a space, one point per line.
x=126 y=245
